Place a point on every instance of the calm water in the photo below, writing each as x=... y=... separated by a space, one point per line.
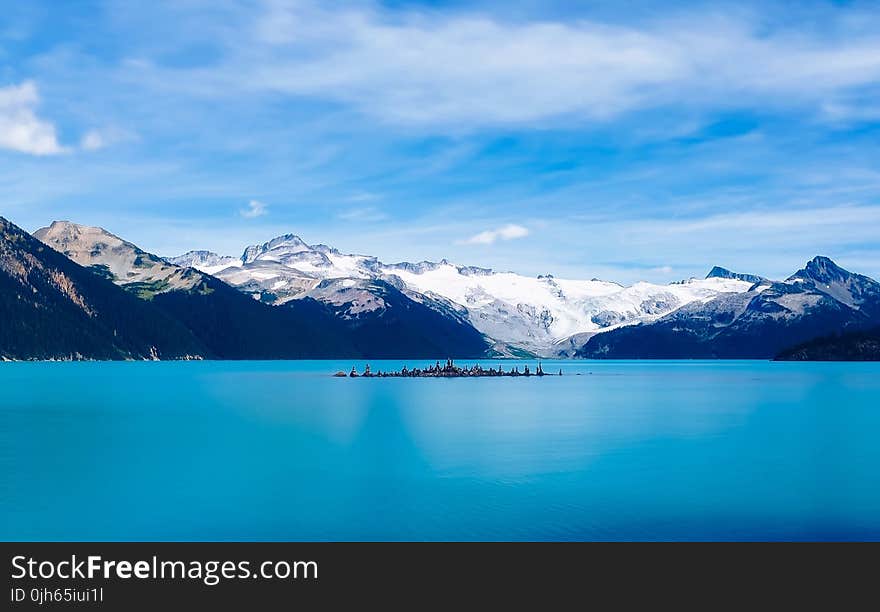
x=282 y=451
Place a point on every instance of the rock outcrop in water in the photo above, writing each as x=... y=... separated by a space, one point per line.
x=449 y=370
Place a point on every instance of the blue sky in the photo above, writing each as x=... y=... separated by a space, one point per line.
x=619 y=140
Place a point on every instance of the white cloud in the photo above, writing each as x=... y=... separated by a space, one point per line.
x=254 y=209
x=92 y=141
x=20 y=128
x=466 y=69
x=460 y=69
x=507 y=232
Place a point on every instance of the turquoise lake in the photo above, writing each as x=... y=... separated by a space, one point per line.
x=738 y=450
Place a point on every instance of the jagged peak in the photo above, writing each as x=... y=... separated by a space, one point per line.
x=324 y=248
x=199 y=253
x=821 y=269
x=198 y=258
x=429 y=266
x=417 y=267
x=293 y=237
x=719 y=272
x=285 y=240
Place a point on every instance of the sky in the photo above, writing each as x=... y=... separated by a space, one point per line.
x=622 y=140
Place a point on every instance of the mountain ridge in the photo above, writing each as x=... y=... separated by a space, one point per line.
x=233 y=325
x=772 y=316
x=284 y=298
x=536 y=314
x=53 y=308
x=719 y=272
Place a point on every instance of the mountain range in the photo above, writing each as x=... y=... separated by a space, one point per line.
x=233 y=325
x=77 y=292
x=540 y=315
x=769 y=317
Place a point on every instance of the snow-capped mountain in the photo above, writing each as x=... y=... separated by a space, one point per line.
x=315 y=301
x=204 y=261
x=286 y=268
x=857 y=291
x=367 y=317
x=539 y=314
x=772 y=316
x=719 y=272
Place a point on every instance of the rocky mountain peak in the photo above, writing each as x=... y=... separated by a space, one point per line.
x=822 y=270
x=289 y=243
x=56 y=309
x=65 y=232
x=719 y=272
x=123 y=261
x=201 y=259
x=80 y=242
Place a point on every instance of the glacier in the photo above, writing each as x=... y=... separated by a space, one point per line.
x=544 y=315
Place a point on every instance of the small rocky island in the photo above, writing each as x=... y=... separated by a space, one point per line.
x=450 y=370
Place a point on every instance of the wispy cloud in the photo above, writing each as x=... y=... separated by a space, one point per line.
x=470 y=69
x=710 y=133
x=368 y=214
x=20 y=128
x=363 y=196
x=773 y=242
x=254 y=209
x=810 y=222
x=507 y=232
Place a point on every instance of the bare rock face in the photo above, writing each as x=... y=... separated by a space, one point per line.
x=52 y=308
x=122 y=261
x=719 y=272
x=825 y=276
